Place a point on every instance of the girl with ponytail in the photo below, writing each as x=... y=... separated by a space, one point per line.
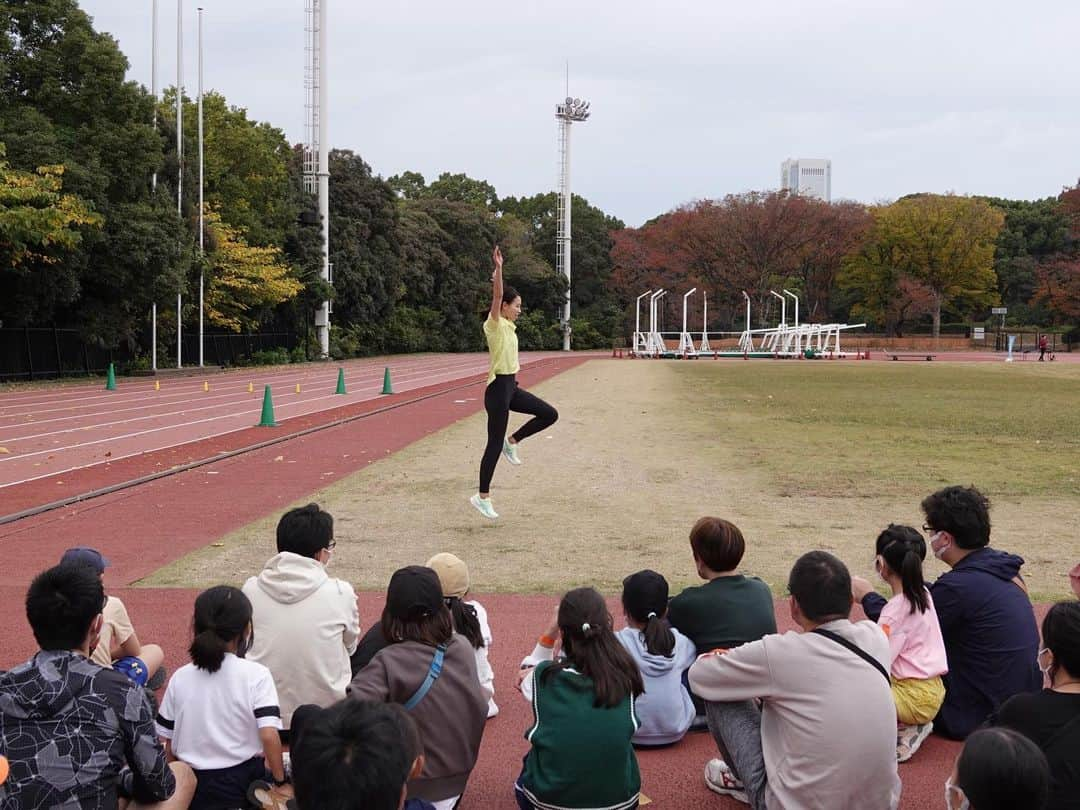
x=469 y=618
x=915 y=642
x=583 y=712
x=220 y=713
x=663 y=655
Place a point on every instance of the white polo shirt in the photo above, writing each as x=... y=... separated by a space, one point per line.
x=213 y=719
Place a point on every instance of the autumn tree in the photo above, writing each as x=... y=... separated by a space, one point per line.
x=947 y=243
x=245 y=281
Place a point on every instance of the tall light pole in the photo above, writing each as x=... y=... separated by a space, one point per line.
x=201 y=252
x=571 y=110
x=179 y=163
x=153 y=76
x=317 y=149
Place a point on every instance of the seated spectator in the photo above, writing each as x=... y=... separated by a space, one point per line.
x=662 y=654
x=1074 y=580
x=1051 y=718
x=998 y=769
x=306 y=622
x=220 y=712
x=825 y=734
x=118 y=646
x=583 y=713
x=77 y=735
x=470 y=618
x=431 y=671
x=915 y=644
x=356 y=755
x=986 y=618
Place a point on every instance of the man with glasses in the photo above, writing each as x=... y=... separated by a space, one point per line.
x=78 y=735
x=306 y=622
x=987 y=622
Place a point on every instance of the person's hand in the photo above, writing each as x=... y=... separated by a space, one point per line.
x=497 y=259
x=522 y=675
x=860 y=588
x=552 y=630
x=1074 y=580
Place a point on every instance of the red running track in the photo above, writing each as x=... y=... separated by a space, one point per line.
x=57 y=430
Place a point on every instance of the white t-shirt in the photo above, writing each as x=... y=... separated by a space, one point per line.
x=484 y=672
x=213 y=719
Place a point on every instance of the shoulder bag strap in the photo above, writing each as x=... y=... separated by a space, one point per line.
x=859 y=651
x=434 y=671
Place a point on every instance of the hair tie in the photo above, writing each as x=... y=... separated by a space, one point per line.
x=651 y=615
x=585 y=627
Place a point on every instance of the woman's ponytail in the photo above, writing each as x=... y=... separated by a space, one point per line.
x=911 y=577
x=222 y=616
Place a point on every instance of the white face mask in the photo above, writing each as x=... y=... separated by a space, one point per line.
x=1044 y=670
x=938 y=551
x=950 y=790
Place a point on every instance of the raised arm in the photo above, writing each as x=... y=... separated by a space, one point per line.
x=496 y=284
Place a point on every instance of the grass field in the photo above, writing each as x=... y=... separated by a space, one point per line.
x=800 y=455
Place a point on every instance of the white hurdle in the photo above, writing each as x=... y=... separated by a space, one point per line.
x=686 y=344
x=638 y=348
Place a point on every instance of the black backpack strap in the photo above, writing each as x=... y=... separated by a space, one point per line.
x=855 y=648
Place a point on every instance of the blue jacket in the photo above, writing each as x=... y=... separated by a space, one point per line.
x=990 y=634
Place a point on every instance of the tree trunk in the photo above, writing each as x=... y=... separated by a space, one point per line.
x=937 y=316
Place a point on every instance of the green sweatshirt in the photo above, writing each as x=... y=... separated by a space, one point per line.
x=724 y=613
x=581 y=755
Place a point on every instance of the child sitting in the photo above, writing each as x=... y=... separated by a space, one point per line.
x=470 y=618
x=220 y=713
x=662 y=654
x=583 y=713
x=915 y=643
x=357 y=755
x=431 y=671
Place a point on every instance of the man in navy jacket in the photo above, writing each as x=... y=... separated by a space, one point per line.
x=987 y=621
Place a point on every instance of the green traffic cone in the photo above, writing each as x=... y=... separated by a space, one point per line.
x=267 y=419
x=387 y=388
x=110 y=380
x=340 y=381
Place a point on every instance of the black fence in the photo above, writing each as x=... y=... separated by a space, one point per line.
x=42 y=353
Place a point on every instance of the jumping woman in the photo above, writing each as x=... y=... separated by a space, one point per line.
x=503 y=394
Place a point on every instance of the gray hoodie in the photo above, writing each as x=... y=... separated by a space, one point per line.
x=665 y=711
x=306 y=626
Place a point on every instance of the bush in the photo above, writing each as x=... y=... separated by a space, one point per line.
x=298 y=355
x=266 y=357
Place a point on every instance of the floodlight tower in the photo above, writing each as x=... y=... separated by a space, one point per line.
x=317 y=148
x=571 y=110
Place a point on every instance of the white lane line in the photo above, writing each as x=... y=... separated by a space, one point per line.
x=8 y=440
x=313 y=376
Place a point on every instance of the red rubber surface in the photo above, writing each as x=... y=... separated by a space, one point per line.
x=143 y=528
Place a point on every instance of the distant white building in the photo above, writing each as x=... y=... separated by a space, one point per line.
x=807 y=177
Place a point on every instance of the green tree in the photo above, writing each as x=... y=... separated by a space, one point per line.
x=64 y=101
x=946 y=243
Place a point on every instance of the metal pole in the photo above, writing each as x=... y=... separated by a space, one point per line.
x=201 y=252
x=685 y=296
x=324 y=173
x=153 y=73
x=637 y=319
x=179 y=162
x=798 y=339
x=783 y=309
x=566 y=241
x=153 y=336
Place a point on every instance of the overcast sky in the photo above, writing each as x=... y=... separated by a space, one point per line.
x=689 y=99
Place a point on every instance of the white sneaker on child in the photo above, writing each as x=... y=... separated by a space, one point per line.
x=720 y=779
x=909 y=738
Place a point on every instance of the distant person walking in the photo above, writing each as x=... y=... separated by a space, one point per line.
x=1044 y=343
x=503 y=393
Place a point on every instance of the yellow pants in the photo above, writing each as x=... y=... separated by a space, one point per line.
x=917 y=699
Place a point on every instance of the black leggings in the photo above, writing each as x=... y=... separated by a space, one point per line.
x=502 y=396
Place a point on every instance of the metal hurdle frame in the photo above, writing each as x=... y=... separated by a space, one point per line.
x=686 y=343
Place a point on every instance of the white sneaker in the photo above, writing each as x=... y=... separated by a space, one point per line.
x=510 y=451
x=483 y=506
x=720 y=779
x=909 y=738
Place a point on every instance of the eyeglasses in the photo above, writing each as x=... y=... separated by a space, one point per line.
x=929 y=529
x=331 y=545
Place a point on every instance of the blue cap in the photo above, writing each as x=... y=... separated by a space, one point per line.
x=88 y=557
